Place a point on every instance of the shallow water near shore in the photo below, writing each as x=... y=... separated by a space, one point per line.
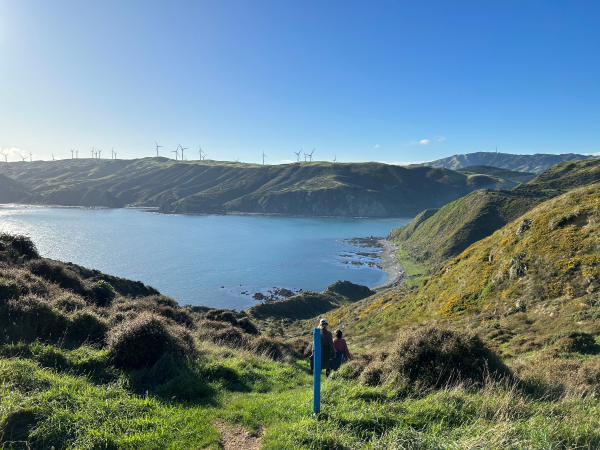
x=204 y=260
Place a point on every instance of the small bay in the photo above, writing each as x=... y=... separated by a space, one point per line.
x=218 y=261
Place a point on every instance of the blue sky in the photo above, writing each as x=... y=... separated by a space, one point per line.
x=367 y=81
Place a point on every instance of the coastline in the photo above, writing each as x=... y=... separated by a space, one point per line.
x=389 y=263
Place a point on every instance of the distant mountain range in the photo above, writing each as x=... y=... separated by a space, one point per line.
x=306 y=188
x=537 y=163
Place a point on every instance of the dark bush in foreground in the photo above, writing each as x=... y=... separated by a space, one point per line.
x=20 y=246
x=270 y=348
x=159 y=304
x=247 y=325
x=144 y=340
x=9 y=289
x=431 y=357
x=222 y=315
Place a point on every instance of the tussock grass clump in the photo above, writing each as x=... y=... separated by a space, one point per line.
x=144 y=340
x=29 y=318
x=9 y=289
x=101 y=292
x=433 y=356
x=57 y=272
x=87 y=326
x=159 y=304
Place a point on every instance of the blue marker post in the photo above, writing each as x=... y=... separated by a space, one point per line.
x=317 y=370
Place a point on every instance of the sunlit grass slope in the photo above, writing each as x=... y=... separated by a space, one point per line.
x=435 y=236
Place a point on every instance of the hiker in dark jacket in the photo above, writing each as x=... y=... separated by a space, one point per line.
x=327 y=349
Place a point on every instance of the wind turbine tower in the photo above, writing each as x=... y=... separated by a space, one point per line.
x=157 y=147
x=23 y=157
x=5 y=156
x=30 y=157
x=310 y=155
x=72 y=157
x=99 y=154
x=264 y=156
x=298 y=155
x=176 y=151
x=182 y=149
x=335 y=159
x=52 y=156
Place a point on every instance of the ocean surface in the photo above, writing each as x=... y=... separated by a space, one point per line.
x=218 y=261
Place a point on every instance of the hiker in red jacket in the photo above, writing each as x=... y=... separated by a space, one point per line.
x=342 y=354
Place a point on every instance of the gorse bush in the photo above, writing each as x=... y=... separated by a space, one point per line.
x=574 y=341
x=101 y=293
x=145 y=339
x=433 y=356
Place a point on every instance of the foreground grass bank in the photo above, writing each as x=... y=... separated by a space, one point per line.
x=77 y=399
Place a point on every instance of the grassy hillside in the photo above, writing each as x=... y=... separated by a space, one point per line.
x=525 y=287
x=435 y=236
x=504 y=174
x=85 y=364
x=537 y=163
x=312 y=188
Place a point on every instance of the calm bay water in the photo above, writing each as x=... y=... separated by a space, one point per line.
x=202 y=260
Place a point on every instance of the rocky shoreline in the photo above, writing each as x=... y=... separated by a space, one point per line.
x=389 y=263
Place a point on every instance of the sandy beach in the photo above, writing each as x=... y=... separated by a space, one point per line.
x=389 y=263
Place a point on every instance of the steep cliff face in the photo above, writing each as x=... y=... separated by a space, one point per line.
x=13 y=192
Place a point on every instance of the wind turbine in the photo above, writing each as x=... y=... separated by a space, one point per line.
x=264 y=156
x=23 y=157
x=52 y=156
x=237 y=160
x=93 y=152
x=176 y=151
x=30 y=157
x=100 y=154
x=115 y=155
x=335 y=159
x=157 y=147
x=72 y=153
x=310 y=155
x=96 y=154
x=5 y=156
x=298 y=155
x=182 y=149
x=200 y=153
x=77 y=154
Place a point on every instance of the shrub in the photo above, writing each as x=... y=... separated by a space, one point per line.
x=69 y=303
x=248 y=326
x=270 y=348
x=58 y=273
x=144 y=340
x=432 y=356
x=302 y=347
x=227 y=336
x=160 y=304
x=101 y=293
x=29 y=318
x=222 y=315
x=9 y=289
x=573 y=341
x=86 y=326
x=21 y=245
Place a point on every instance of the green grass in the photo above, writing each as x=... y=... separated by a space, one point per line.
x=43 y=406
x=414 y=270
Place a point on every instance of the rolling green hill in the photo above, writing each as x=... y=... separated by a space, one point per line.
x=537 y=163
x=313 y=188
x=435 y=236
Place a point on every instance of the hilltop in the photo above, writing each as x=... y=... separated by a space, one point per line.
x=537 y=163
x=510 y=176
x=434 y=236
x=312 y=188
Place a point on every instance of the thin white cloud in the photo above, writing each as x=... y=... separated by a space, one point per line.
x=402 y=163
x=376 y=146
x=440 y=138
x=424 y=142
x=13 y=154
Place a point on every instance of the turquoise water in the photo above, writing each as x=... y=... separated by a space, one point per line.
x=202 y=260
